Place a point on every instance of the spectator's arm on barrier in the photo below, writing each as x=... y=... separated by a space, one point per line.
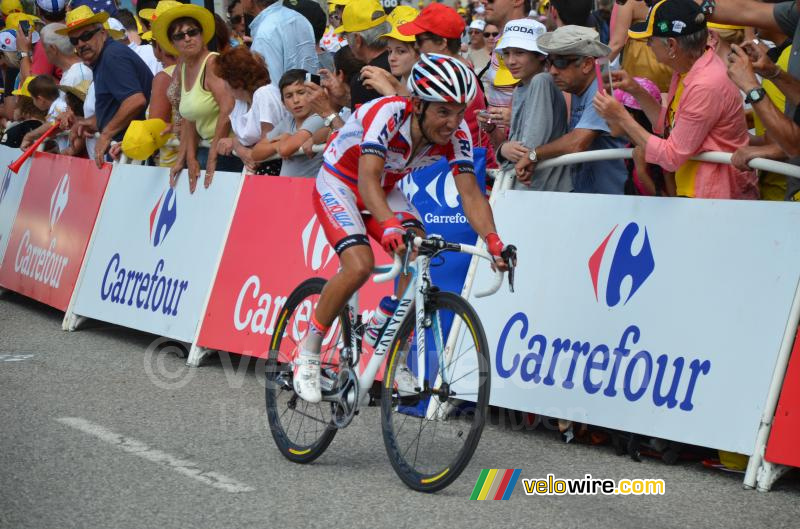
x=225 y=100
x=288 y=144
x=744 y=13
x=577 y=140
x=131 y=106
x=264 y=149
x=743 y=155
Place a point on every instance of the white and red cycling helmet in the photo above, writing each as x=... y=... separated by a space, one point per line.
x=442 y=79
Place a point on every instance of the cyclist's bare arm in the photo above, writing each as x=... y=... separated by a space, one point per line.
x=370 y=171
x=476 y=207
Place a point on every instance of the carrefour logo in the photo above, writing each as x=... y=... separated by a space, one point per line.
x=317 y=253
x=441 y=189
x=624 y=264
x=163 y=216
x=58 y=200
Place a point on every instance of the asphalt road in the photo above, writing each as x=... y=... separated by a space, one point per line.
x=98 y=429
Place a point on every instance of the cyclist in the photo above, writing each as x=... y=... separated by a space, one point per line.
x=378 y=145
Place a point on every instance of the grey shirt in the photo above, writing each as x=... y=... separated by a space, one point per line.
x=539 y=116
x=300 y=165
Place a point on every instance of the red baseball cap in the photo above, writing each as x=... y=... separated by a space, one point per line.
x=438 y=19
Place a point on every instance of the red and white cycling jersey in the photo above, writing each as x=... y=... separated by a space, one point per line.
x=383 y=127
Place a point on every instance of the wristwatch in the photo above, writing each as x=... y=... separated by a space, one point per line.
x=755 y=95
x=328 y=120
x=23 y=54
x=532 y=156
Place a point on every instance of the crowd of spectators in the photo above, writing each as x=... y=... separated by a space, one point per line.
x=264 y=85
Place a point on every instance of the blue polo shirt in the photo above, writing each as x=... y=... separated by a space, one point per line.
x=118 y=74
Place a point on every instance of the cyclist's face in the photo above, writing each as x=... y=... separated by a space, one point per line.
x=442 y=120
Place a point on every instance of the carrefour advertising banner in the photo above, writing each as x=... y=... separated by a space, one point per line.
x=155 y=251
x=662 y=317
x=11 y=186
x=275 y=243
x=53 y=225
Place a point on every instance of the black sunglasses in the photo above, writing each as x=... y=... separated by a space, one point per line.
x=191 y=33
x=84 y=37
x=237 y=19
x=490 y=34
x=560 y=62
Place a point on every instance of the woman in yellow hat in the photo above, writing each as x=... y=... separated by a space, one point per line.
x=205 y=104
x=403 y=54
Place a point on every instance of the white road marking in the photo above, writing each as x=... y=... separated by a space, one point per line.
x=138 y=448
x=14 y=357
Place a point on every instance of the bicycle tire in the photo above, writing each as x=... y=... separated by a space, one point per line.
x=279 y=381
x=396 y=409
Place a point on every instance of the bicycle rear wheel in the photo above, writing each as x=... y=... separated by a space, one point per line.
x=431 y=433
x=301 y=430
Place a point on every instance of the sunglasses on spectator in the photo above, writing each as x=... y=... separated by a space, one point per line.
x=191 y=33
x=560 y=62
x=84 y=37
x=490 y=34
x=237 y=19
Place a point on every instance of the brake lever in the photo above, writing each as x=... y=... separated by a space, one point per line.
x=509 y=255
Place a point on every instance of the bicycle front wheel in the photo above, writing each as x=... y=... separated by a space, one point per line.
x=432 y=430
x=301 y=430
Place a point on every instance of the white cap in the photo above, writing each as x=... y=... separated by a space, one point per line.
x=477 y=24
x=480 y=9
x=522 y=33
x=113 y=23
x=8 y=39
x=52 y=6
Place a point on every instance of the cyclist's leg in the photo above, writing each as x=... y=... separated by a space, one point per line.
x=410 y=219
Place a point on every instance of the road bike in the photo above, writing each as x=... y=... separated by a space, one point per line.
x=430 y=432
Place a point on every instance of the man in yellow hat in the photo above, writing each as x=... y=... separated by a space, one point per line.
x=122 y=79
x=282 y=36
x=363 y=25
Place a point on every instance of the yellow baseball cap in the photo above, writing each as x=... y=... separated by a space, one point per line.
x=143 y=138
x=359 y=15
x=11 y=6
x=714 y=25
x=401 y=15
x=23 y=88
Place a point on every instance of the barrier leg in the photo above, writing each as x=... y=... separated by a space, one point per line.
x=197 y=354
x=757 y=459
x=768 y=474
x=3 y=291
x=72 y=321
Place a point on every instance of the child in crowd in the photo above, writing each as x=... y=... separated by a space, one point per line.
x=45 y=96
x=539 y=111
x=302 y=130
x=26 y=117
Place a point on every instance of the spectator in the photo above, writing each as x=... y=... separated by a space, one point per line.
x=145 y=51
x=283 y=37
x=438 y=29
x=332 y=41
x=61 y=53
x=238 y=26
x=205 y=105
x=74 y=95
x=49 y=11
x=403 y=54
x=23 y=43
x=539 y=112
x=572 y=52
x=258 y=107
x=477 y=53
x=27 y=116
x=292 y=134
x=704 y=113
x=165 y=94
x=363 y=25
x=499 y=81
x=332 y=99
x=122 y=81
x=222 y=35
x=312 y=12
x=636 y=57
x=571 y=12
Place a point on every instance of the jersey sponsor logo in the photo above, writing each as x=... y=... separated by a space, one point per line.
x=336 y=210
x=624 y=264
x=464 y=144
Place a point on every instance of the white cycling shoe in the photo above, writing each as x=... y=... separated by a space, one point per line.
x=406 y=381
x=306 y=380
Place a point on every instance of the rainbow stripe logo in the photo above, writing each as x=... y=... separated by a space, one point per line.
x=496 y=484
